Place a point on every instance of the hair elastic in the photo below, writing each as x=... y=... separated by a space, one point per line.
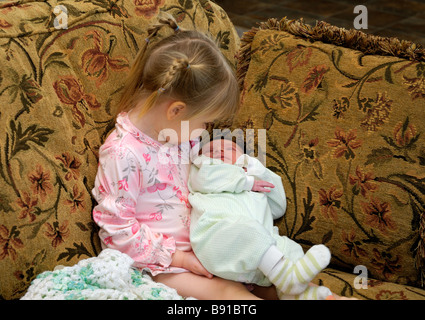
x=176 y=29
x=160 y=90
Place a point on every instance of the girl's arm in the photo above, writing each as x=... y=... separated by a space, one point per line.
x=117 y=185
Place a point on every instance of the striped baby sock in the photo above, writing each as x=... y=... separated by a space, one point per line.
x=293 y=277
x=310 y=293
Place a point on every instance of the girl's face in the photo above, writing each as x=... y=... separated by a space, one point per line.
x=223 y=149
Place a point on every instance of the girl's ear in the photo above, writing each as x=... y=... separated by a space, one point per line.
x=175 y=110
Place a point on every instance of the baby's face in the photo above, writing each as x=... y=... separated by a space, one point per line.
x=225 y=150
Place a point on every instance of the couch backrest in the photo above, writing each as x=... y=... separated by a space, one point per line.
x=344 y=113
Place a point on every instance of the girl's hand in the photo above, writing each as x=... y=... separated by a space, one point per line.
x=260 y=186
x=188 y=260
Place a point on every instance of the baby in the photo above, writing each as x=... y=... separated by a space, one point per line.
x=235 y=199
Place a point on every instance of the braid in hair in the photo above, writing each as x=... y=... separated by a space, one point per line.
x=163 y=21
x=177 y=64
x=135 y=80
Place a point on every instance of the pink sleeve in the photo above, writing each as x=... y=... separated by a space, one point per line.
x=117 y=185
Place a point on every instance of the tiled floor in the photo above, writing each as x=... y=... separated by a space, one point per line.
x=404 y=19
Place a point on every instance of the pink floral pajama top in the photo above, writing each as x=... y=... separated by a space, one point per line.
x=141 y=190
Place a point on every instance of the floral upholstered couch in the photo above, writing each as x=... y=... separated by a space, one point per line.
x=343 y=114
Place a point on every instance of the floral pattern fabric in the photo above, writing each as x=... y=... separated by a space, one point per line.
x=345 y=133
x=352 y=285
x=62 y=68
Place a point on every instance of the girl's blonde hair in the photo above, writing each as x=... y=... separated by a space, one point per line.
x=186 y=66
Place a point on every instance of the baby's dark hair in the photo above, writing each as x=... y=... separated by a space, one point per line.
x=226 y=135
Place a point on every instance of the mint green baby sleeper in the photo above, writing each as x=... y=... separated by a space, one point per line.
x=231 y=226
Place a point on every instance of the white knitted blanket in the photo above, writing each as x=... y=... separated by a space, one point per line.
x=107 y=276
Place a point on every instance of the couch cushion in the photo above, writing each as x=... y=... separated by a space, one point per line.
x=344 y=118
x=60 y=77
x=357 y=286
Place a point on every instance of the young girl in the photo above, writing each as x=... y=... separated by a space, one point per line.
x=141 y=190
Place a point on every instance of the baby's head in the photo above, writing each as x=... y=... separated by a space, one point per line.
x=224 y=149
x=182 y=67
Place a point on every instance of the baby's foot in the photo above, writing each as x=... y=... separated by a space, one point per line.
x=292 y=278
x=310 y=293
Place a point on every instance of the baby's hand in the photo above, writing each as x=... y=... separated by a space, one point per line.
x=260 y=186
